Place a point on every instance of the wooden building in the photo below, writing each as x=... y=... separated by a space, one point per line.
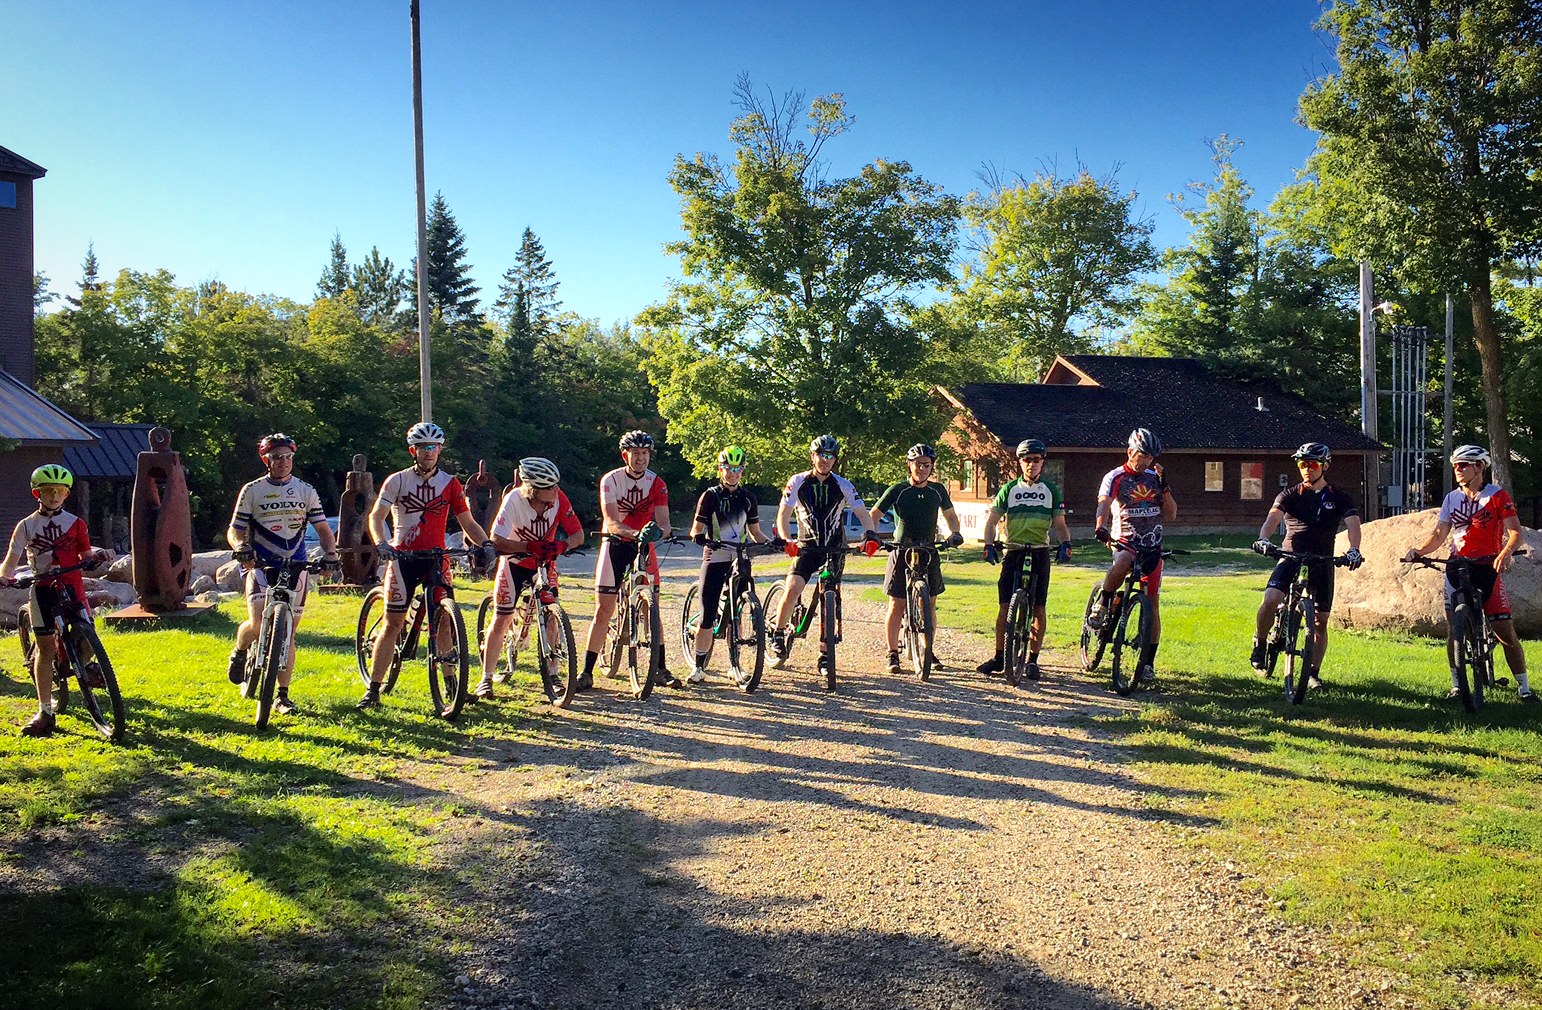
x=1227 y=443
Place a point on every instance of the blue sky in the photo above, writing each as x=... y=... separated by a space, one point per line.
x=231 y=140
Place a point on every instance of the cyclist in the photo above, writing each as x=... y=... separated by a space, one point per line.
x=820 y=497
x=1312 y=512
x=419 y=502
x=915 y=502
x=1133 y=501
x=529 y=520
x=1031 y=507
x=50 y=538
x=634 y=507
x=1481 y=520
x=729 y=513
x=267 y=529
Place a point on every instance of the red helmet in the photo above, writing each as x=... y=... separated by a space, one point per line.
x=277 y=440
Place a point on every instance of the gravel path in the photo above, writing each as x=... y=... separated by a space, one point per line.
x=895 y=844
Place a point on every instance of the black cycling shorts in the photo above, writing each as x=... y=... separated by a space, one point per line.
x=1012 y=562
x=811 y=559
x=894 y=574
x=1319 y=576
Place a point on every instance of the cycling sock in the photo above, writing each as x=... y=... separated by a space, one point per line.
x=589 y=661
x=1148 y=654
x=1033 y=657
x=1522 y=682
x=701 y=660
x=1107 y=599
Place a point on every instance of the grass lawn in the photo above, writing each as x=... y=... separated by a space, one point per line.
x=1378 y=808
x=289 y=866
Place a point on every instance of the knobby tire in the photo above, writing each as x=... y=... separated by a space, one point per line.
x=447 y=682
x=1129 y=641
x=108 y=719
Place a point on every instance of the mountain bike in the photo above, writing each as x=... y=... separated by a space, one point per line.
x=1297 y=615
x=78 y=653
x=1017 y=643
x=825 y=603
x=448 y=670
x=1470 y=631
x=916 y=631
x=741 y=623
x=269 y=654
x=555 y=654
x=1127 y=624
x=636 y=626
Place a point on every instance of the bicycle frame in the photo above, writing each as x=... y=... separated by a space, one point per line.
x=1471 y=648
x=1297 y=614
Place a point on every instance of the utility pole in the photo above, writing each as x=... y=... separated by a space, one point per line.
x=1448 y=438
x=425 y=369
x=1368 y=425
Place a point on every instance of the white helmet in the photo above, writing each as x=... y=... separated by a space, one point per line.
x=538 y=471
x=1471 y=454
x=425 y=433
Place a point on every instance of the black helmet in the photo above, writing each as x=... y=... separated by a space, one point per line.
x=920 y=451
x=1031 y=447
x=1145 y=440
x=637 y=440
x=825 y=443
x=1316 y=452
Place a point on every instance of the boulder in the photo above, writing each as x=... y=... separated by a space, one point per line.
x=202 y=584
x=105 y=595
x=1386 y=594
x=11 y=601
x=208 y=563
x=121 y=570
x=213 y=596
x=230 y=577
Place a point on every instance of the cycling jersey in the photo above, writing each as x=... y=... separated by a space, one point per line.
x=1312 y=518
x=518 y=519
x=421 y=507
x=276 y=514
x=1135 y=500
x=1030 y=509
x=727 y=514
x=821 y=507
x=634 y=497
x=55 y=541
x=915 y=510
x=1477 y=524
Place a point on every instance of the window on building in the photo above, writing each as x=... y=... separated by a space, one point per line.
x=1054 y=472
x=8 y=195
x=966 y=477
x=1252 y=482
x=1215 y=477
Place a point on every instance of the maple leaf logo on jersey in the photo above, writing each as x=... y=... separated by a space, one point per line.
x=422 y=501
x=46 y=539
x=634 y=501
x=1142 y=493
x=536 y=529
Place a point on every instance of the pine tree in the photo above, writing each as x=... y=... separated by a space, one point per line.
x=527 y=298
x=450 y=287
x=334 y=279
x=380 y=287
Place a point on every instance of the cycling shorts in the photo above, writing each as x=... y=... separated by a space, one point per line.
x=894 y=574
x=511 y=582
x=1319 y=575
x=260 y=577
x=1012 y=563
x=811 y=559
x=709 y=587
x=1488 y=585
x=403 y=577
x=45 y=604
x=615 y=555
x=1148 y=565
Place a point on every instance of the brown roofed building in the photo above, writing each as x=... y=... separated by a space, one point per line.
x=1227 y=443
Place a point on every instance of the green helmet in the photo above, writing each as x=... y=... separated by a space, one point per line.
x=52 y=473
x=731 y=456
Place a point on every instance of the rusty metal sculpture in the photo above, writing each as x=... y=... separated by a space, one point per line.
x=357 y=548
x=482 y=494
x=161 y=527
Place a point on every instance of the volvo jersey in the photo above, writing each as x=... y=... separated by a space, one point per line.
x=276 y=516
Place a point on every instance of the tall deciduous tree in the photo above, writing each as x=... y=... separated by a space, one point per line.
x=1430 y=154
x=450 y=287
x=335 y=278
x=791 y=317
x=1057 y=260
x=380 y=288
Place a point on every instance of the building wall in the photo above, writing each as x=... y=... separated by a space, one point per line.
x=16 y=268
x=16 y=501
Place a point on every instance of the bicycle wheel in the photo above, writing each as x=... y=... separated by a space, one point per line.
x=558 y=657
x=773 y=607
x=371 y=619
x=1129 y=640
x=1298 y=625
x=61 y=683
x=1014 y=653
x=690 y=622
x=1093 y=641
x=448 y=672
x=747 y=638
x=639 y=644
x=829 y=633
x=275 y=639
x=1275 y=644
x=499 y=672
x=616 y=638
x=108 y=718
x=1460 y=623
x=1480 y=660
x=919 y=634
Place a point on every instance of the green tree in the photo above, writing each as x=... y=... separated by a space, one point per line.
x=792 y=317
x=1056 y=262
x=450 y=287
x=1429 y=159
x=335 y=279
x=379 y=287
x=527 y=298
x=41 y=296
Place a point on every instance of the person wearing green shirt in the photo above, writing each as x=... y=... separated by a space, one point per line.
x=915 y=504
x=1031 y=507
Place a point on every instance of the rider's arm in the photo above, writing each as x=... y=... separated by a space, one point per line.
x=1352 y=532
x=950 y=516
x=325 y=535
x=1512 y=543
x=1105 y=512
x=1169 y=504
x=988 y=530
x=381 y=512
x=704 y=510
x=1442 y=530
x=854 y=502
x=661 y=517
x=13 y=554
x=1061 y=529
x=1272 y=523
x=472 y=529
x=237 y=537
x=503 y=545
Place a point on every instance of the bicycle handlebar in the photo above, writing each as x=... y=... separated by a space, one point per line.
x=433 y=552
x=1278 y=552
x=744 y=547
x=890 y=545
x=1453 y=560
x=27 y=581
x=1167 y=552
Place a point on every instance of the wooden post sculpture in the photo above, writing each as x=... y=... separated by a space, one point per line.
x=161 y=526
x=357 y=548
x=482 y=495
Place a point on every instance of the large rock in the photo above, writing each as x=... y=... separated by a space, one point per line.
x=1386 y=594
x=121 y=570
x=230 y=577
x=105 y=595
x=208 y=563
x=11 y=601
x=202 y=584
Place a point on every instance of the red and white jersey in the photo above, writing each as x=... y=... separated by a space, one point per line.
x=1477 y=524
x=421 y=507
x=55 y=541
x=634 y=497
x=518 y=519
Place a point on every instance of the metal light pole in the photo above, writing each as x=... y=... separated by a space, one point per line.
x=1368 y=423
x=1448 y=437
x=425 y=370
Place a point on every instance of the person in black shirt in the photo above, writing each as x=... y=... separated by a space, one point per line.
x=1313 y=511
x=726 y=512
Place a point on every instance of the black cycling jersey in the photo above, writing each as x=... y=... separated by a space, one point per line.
x=1312 y=518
